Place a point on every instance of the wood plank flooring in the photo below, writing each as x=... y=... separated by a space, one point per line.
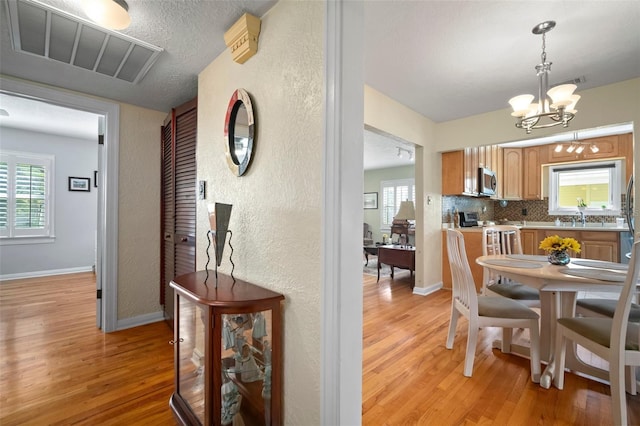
x=410 y=378
x=56 y=368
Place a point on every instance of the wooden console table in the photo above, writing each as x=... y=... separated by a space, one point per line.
x=397 y=257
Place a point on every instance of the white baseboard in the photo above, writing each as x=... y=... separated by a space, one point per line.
x=140 y=320
x=36 y=274
x=424 y=291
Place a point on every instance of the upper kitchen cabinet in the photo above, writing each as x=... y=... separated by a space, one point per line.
x=453 y=173
x=512 y=177
x=607 y=147
x=532 y=160
x=460 y=169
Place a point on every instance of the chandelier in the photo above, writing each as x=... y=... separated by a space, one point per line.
x=555 y=106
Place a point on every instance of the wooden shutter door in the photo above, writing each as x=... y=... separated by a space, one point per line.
x=178 y=199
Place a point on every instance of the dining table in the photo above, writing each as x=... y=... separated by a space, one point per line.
x=558 y=286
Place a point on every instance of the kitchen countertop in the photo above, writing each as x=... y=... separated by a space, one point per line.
x=550 y=225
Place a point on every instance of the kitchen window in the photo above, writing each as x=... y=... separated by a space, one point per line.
x=393 y=193
x=597 y=184
x=26 y=201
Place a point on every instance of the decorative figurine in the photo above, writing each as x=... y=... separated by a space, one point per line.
x=231 y=400
x=259 y=326
x=246 y=365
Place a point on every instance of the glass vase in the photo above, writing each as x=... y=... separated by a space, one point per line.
x=559 y=257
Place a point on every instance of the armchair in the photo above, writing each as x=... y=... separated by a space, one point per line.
x=367 y=235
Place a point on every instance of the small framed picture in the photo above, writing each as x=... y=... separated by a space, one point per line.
x=79 y=184
x=370 y=200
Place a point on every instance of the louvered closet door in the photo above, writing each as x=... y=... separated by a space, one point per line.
x=185 y=193
x=178 y=199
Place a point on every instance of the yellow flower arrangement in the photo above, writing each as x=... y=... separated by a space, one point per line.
x=556 y=243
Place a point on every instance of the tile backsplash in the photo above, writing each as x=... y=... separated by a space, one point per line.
x=514 y=211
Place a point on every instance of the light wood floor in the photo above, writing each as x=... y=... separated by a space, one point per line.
x=410 y=378
x=56 y=368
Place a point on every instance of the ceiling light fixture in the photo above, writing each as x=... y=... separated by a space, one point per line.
x=408 y=151
x=555 y=106
x=577 y=146
x=111 y=14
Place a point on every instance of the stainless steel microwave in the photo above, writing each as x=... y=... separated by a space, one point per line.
x=487 y=182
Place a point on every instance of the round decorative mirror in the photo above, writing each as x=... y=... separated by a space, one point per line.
x=239 y=132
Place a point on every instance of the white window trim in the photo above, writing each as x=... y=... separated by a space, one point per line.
x=10 y=236
x=410 y=182
x=616 y=190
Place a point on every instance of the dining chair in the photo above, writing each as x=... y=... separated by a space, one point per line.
x=505 y=239
x=599 y=307
x=485 y=311
x=612 y=339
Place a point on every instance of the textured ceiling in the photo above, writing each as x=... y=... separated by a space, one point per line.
x=190 y=32
x=443 y=59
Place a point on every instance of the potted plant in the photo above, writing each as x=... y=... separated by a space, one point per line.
x=557 y=247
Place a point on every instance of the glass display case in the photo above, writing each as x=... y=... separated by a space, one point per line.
x=227 y=349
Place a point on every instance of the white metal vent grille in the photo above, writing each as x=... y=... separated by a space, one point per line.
x=42 y=30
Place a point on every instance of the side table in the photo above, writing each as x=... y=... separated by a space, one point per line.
x=403 y=257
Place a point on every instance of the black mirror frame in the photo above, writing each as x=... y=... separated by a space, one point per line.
x=240 y=97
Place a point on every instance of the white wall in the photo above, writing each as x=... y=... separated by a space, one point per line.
x=277 y=204
x=75 y=213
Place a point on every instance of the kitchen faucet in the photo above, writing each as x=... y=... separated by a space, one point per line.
x=582 y=218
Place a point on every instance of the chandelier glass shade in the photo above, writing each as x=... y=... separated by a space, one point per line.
x=555 y=106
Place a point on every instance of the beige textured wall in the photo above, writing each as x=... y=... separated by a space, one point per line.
x=139 y=211
x=277 y=205
x=387 y=115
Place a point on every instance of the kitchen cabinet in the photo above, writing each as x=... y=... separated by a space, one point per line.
x=460 y=169
x=453 y=173
x=227 y=351
x=529 y=240
x=460 y=172
x=599 y=245
x=471 y=164
x=532 y=174
x=512 y=179
x=608 y=147
x=473 y=247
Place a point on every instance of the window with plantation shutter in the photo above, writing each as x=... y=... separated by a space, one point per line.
x=393 y=193
x=4 y=195
x=26 y=208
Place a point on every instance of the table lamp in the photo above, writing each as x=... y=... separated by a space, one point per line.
x=406 y=212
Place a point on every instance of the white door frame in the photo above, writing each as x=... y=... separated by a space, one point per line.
x=342 y=215
x=107 y=185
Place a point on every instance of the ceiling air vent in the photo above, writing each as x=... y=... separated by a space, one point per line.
x=576 y=81
x=41 y=30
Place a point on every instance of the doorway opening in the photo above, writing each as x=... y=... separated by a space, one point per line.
x=107 y=181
